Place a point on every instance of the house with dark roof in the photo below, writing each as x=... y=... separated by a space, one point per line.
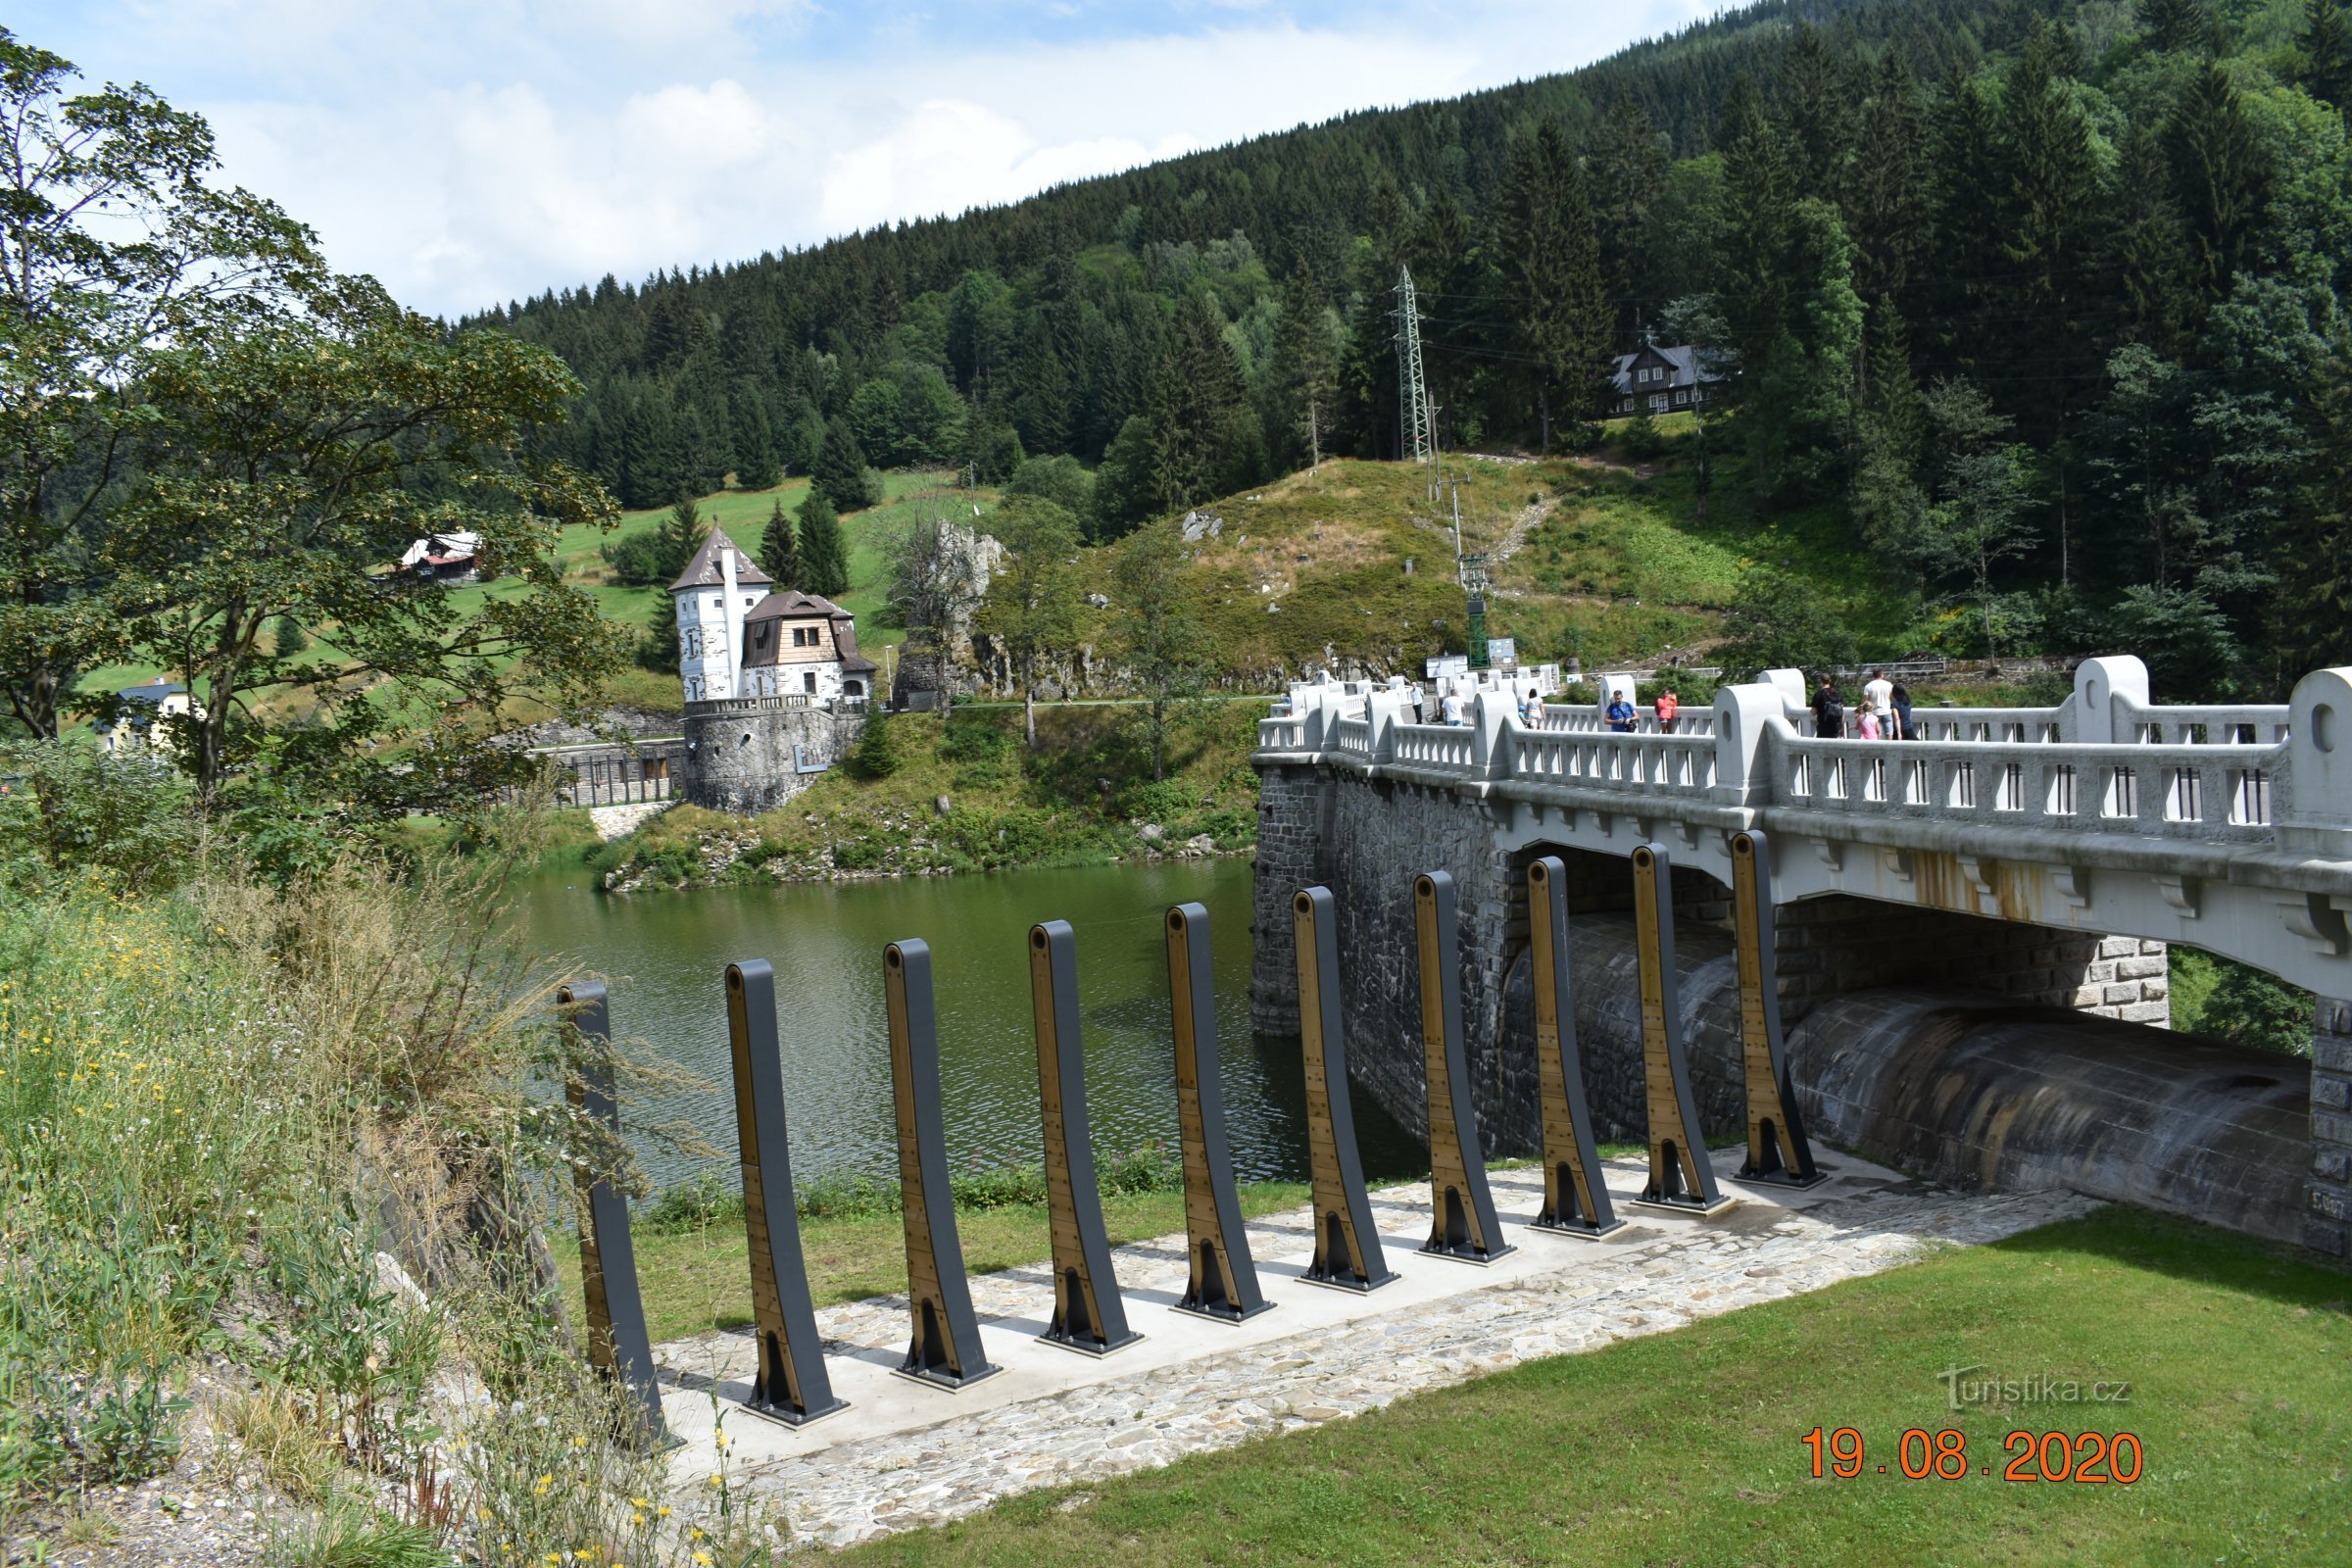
x=794 y=642
x=139 y=710
x=740 y=638
x=1662 y=380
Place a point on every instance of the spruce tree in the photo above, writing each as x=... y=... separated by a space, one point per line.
x=1551 y=258
x=2171 y=25
x=824 y=553
x=676 y=538
x=2325 y=49
x=840 y=475
x=657 y=650
x=780 y=549
x=2224 y=175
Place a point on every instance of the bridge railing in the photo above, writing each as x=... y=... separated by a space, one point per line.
x=2210 y=724
x=2107 y=760
x=1582 y=719
x=1988 y=725
x=2181 y=791
x=1285 y=733
x=1651 y=763
x=1453 y=748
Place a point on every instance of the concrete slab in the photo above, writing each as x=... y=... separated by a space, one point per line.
x=706 y=1378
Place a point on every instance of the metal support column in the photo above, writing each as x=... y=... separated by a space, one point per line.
x=1347 y=1255
x=1576 y=1200
x=945 y=1352
x=618 y=1345
x=1088 y=1315
x=1224 y=1280
x=1463 y=1226
x=790 y=1386
x=1777 y=1152
x=1680 y=1176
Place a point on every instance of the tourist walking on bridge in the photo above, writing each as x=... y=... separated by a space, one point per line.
x=1829 y=711
x=1620 y=714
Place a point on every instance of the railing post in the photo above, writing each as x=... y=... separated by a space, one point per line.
x=2312 y=799
x=2106 y=691
x=1380 y=719
x=1490 y=749
x=1743 y=720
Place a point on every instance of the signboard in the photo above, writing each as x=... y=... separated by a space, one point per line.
x=1502 y=652
x=1445 y=665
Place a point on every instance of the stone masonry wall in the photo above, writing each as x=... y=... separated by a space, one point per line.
x=746 y=762
x=1366 y=839
x=2327 y=1198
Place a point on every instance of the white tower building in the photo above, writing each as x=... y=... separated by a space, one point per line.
x=713 y=594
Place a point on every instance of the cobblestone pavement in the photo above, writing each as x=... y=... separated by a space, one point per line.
x=1562 y=1296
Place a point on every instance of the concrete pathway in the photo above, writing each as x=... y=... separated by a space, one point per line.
x=906 y=1455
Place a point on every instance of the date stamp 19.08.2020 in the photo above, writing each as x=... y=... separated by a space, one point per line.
x=2086 y=1458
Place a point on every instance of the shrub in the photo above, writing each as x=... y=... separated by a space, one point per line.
x=124 y=815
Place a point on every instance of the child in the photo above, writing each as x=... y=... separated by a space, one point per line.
x=1868 y=723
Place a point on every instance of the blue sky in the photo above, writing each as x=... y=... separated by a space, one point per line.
x=470 y=151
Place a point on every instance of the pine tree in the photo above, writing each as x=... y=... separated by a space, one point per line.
x=2325 y=47
x=840 y=475
x=678 y=536
x=1551 y=258
x=289 y=636
x=1626 y=169
x=2174 y=24
x=780 y=549
x=1302 y=381
x=2224 y=175
x=658 y=651
x=824 y=553
x=1886 y=195
x=755 y=455
x=2050 y=205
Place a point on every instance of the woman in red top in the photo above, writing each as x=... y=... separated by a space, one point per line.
x=1669 y=704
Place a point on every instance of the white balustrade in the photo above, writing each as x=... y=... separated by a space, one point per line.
x=2182 y=792
x=1450 y=747
x=2211 y=772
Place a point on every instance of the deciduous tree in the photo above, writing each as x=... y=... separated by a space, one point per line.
x=1032 y=605
x=305 y=451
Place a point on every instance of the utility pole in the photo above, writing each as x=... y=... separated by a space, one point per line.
x=1454 y=488
x=1416 y=419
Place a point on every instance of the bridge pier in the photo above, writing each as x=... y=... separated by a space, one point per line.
x=2328 y=1197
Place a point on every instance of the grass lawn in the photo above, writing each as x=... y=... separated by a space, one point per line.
x=700 y=1279
x=1685 y=1447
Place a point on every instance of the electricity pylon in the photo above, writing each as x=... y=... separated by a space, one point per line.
x=1416 y=425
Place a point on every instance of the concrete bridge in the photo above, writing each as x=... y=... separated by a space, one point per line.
x=2046 y=853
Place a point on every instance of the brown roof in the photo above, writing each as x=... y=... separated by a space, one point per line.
x=705 y=571
x=845 y=638
x=793 y=605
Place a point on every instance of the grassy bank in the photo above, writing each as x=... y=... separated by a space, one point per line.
x=697 y=1276
x=1085 y=796
x=241 y=1122
x=1685 y=1447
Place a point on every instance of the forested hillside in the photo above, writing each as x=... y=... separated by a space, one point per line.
x=2042 y=298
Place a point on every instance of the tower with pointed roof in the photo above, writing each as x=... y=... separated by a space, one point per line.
x=718 y=588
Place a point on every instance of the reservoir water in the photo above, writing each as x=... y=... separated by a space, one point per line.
x=664 y=955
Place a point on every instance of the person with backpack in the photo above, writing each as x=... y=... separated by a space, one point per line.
x=1620 y=714
x=1829 y=711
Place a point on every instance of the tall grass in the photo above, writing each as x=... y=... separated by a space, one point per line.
x=252 y=1121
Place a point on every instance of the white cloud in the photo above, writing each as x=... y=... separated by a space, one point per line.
x=466 y=154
